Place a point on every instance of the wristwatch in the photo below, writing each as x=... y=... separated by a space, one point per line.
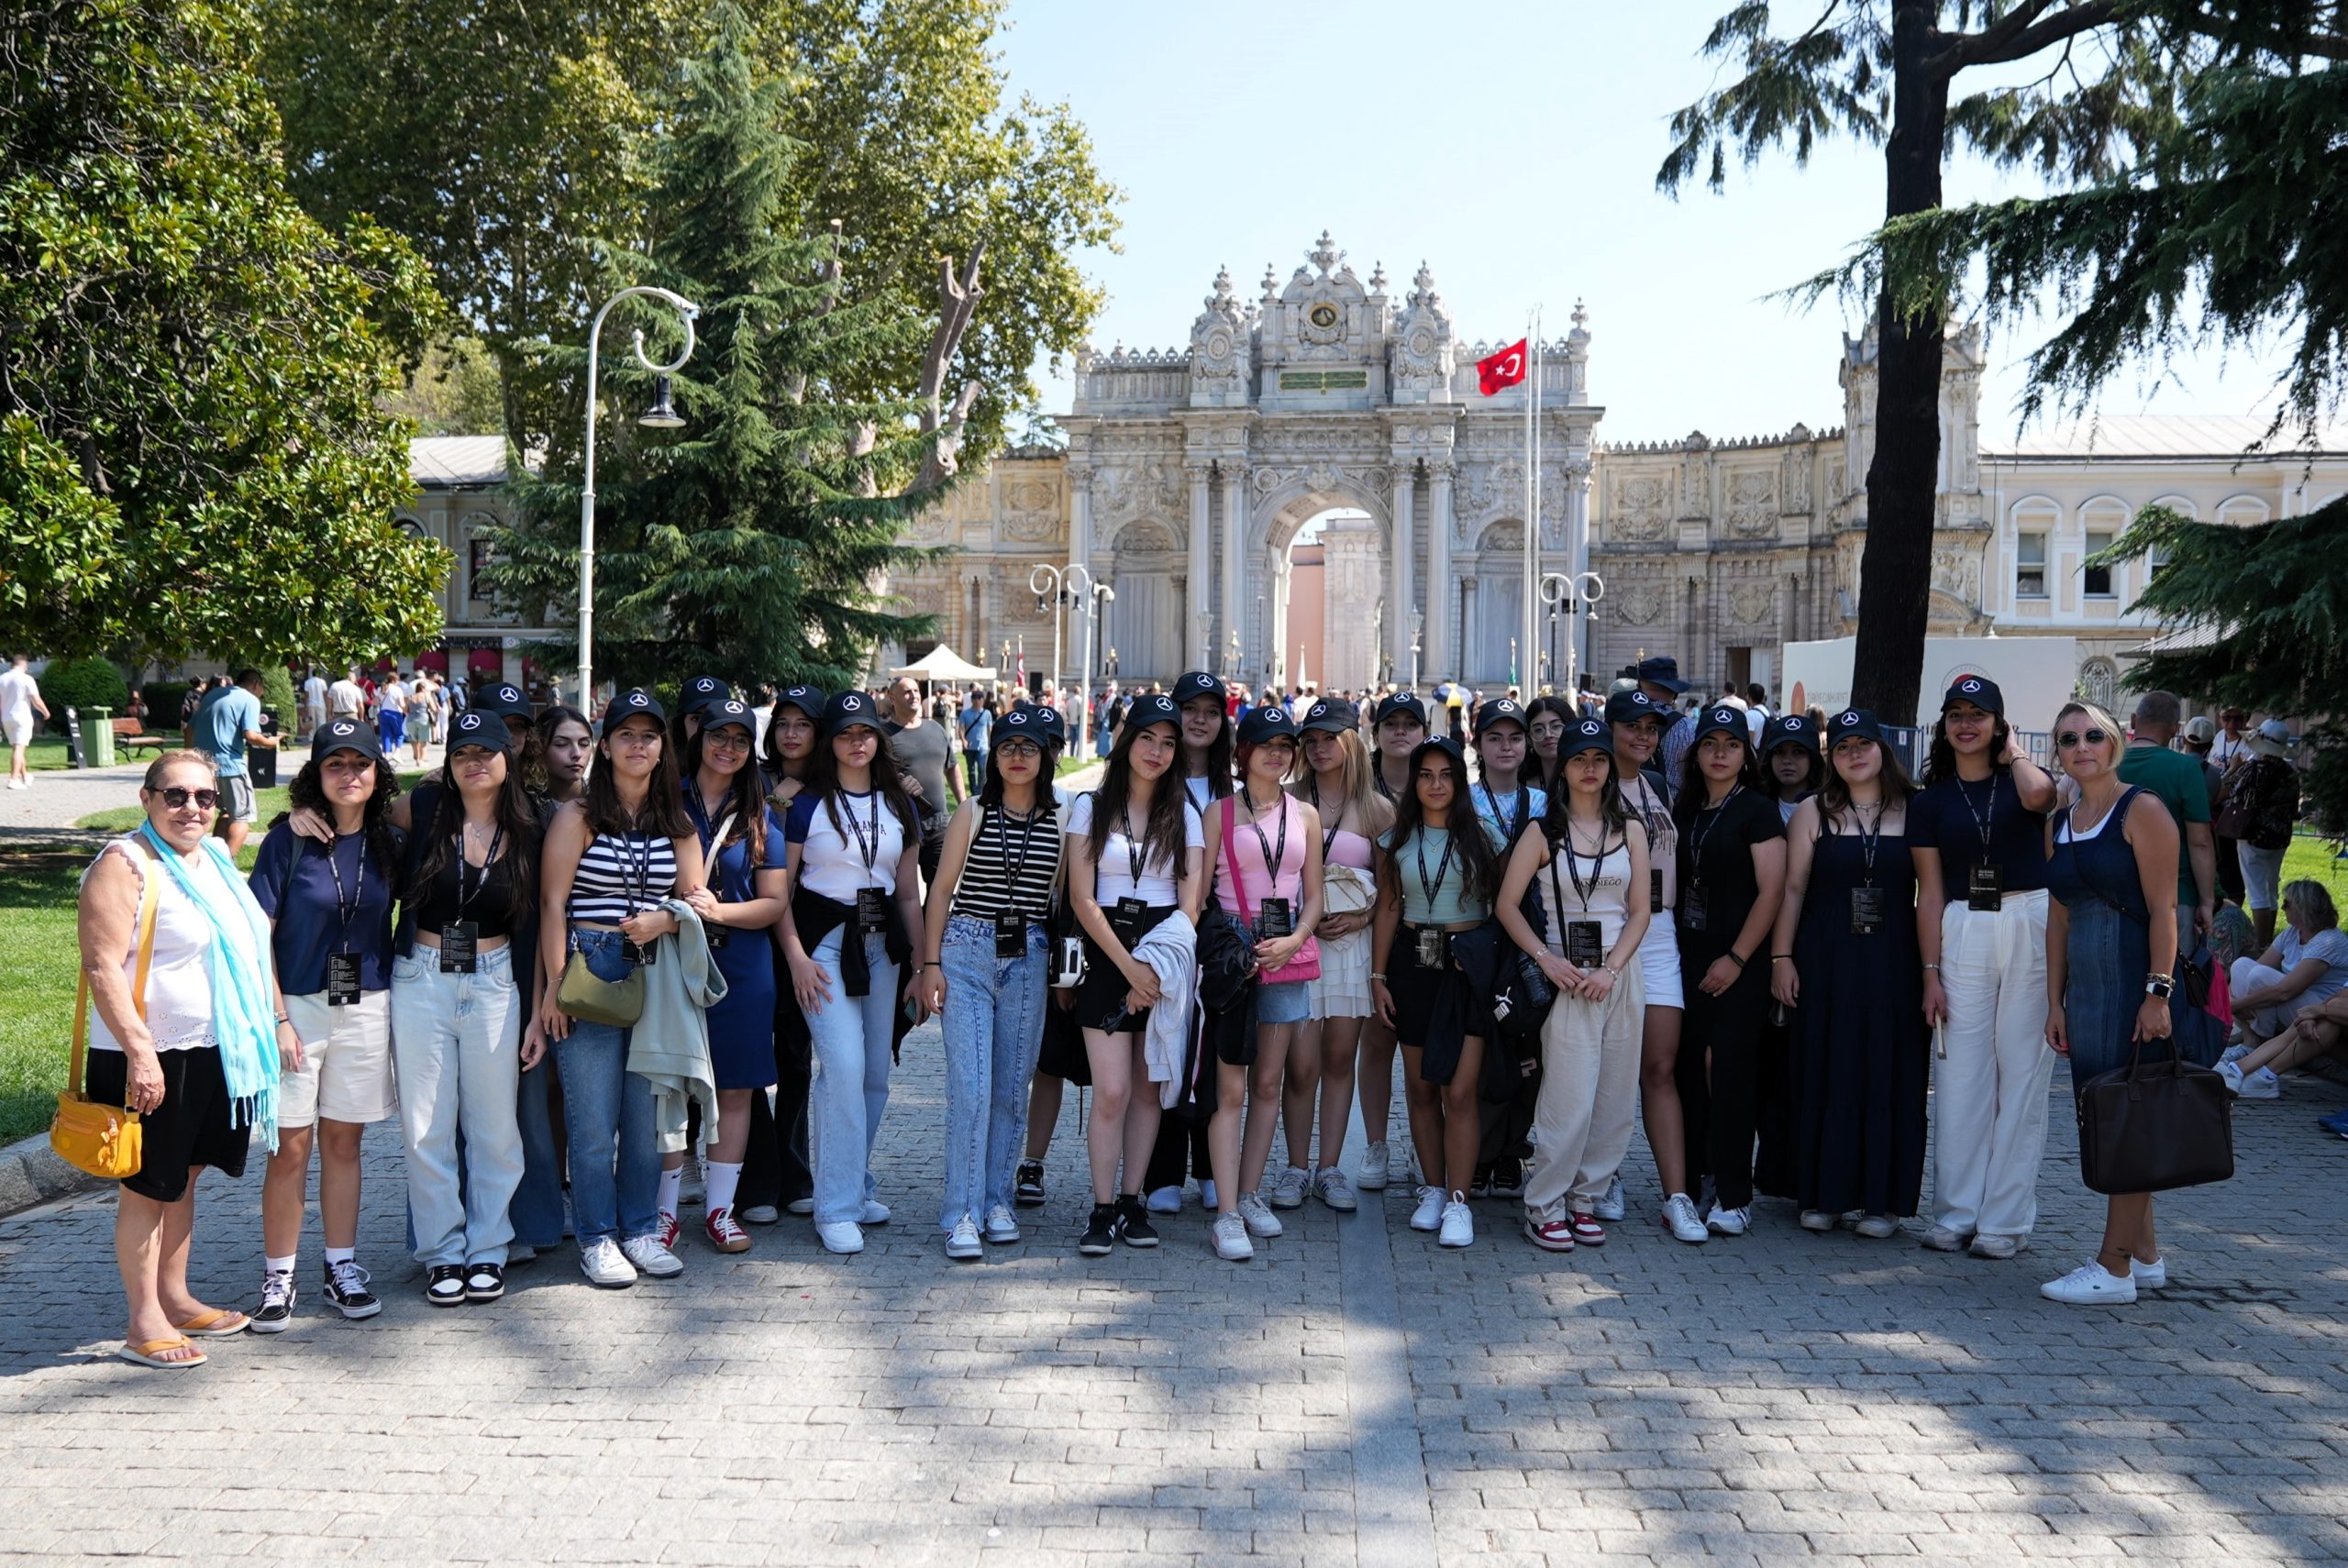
x=2159 y=986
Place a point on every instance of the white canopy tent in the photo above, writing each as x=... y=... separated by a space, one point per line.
x=942 y=662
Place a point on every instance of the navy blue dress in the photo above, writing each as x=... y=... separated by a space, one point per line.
x=2109 y=948
x=741 y=1027
x=1861 y=1054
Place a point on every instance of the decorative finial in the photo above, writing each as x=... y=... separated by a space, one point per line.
x=1581 y=317
x=1325 y=255
x=1423 y=286
x=1378 y=278
x=1221 y=294
x=1271 y=285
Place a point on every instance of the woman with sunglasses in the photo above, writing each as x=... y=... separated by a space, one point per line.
x=742 y=847
x=611 y=861
x=2111 y=935
x=1732 y=870
x=985 y=964
x=1844 y=953
x=466 y=1027
x=1589 y=1044
x=1436 y=877
x=1978 y=832
x=1134 y=862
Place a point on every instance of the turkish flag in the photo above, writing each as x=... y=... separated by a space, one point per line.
x=1505 y=369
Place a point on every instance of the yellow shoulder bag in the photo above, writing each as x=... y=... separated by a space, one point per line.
x=104 y=1140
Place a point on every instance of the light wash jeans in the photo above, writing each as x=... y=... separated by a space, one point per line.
x=457 y=1050
x=994 y=1027
x=851 y=1081
x=614 y=1163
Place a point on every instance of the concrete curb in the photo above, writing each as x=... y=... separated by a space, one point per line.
x=31 y=1173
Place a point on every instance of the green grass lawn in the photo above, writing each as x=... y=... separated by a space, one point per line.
x=38 y=955
x=2315 y=859
x=47 y=755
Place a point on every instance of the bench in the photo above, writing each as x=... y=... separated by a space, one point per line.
x=129 y=734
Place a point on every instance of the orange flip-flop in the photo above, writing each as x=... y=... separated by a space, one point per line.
x=149 y=1353
x=216 y=1324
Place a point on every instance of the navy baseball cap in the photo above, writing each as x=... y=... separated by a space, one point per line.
x=1154 y=708
x=1334 y=714
x=505 y=700
x=1026 y=724
x=1395 y=702
x=727 y=711
x=1854 y=723
x=1630 y=707
x=1789 y=729
x=480 y=727
x=1977 y=690
x=1054 y=722
x=1199 y=683
x=1265 y=721
x=628 y=704
x=1661 y=671
x=808 y=700
x=700 y=692
x=1724 y=718
x=347 y=735
x=1586 y=735
x=846 y=711
x=1500 y=711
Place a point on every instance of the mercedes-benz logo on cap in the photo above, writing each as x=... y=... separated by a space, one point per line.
x=851 y=702
x=470 y=722
x=1790 y=721
x=636 y=699
x=345 y=727
x=1971 y=683
x=1723 y=717
x=1850 y=719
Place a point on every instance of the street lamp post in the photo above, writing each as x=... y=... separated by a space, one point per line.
x=1102 y=593
x=659 y=416
x=1418 y=623
x=1057 y=581
x=1559 y=590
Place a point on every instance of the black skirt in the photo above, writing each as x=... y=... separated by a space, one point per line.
x=1063 y=1055
x=1101 y=995
x=1413 y=986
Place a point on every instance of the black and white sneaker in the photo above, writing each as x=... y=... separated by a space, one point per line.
x=484 y=1282
x=1099 y=1236
x=1133 y=1227
x=275 y=1313
x=445 y=1286
x=347 y=1288
x=1027 y=1188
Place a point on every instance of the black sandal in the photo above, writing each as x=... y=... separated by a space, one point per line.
x=445 y=1284
x=484 y=1281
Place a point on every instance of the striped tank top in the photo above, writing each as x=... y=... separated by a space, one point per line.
x=621 y=874
x=1010 y=866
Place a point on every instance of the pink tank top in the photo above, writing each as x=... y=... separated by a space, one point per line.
x=1254 y=844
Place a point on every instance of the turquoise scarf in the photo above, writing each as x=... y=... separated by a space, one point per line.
x=243 y=1020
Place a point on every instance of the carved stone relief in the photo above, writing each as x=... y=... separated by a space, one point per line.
x=1753 y=504
x=1640 y=605
x=1641 y=503
x=1749 y=603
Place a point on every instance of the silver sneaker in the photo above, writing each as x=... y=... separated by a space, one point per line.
x=1611 y=1207
x=1370 y=1175
x=652 y=1257
x=1289 y=1187
x=1335 y=1191
x=1679 y=1217
x=1261 y=1220
x=605 y=1265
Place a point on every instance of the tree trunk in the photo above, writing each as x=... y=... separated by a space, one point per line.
x=1895 y=566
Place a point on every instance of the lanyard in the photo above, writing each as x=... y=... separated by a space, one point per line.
x=1329 y=833
x=1696 y=840
x=870 y=848
x=1983 y=823
x=636 y=870
x=1512 y=821
x=1442 y=866
x=1272 y=858
x=1868 y=838
x=1582 y=889
x=348 y=911
x=497 y=841
x=696 y=808
x=1137 y=850
x=1014 y=869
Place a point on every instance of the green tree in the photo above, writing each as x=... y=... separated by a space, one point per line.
x=191 y=455
x=749 y=545
x=456 y=390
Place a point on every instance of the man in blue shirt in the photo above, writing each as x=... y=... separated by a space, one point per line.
x=227 y=723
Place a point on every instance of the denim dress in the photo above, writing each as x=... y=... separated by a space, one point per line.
x=2110 y=950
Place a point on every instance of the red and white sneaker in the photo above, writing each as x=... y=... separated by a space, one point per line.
x=1549 y=1235
x=1587 y=1231
x=725 y=1233
x=670 y=1229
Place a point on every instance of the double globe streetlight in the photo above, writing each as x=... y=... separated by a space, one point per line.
x=1056 y=583
x=1559 y=590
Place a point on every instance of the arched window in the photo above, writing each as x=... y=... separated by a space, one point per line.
x=2099 y=681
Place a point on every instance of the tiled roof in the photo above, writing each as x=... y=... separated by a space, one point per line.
x=2154 y=436
x=444 y=462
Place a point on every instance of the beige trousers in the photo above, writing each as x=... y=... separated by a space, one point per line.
x=1590 y=1090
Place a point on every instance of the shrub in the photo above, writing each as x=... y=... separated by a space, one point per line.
x=163 y=699
x=83 y=683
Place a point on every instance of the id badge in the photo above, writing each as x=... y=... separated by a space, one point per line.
x=871 y=907
x=1866 y=911
x=640 y=956
x=1432 y=947
x=342 y=979
x=1654 y=888
x=714 y=936
x=1129 y=911
x=1009 y=936
x=1274 y=918
x=1585 y=948
x=1985 y=888
x=1690 y=915
x=459 y=947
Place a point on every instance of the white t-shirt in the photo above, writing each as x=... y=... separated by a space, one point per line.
x=314 y=692
x=390 y=698
x=18 y=690
x=2328 y=947
x=348 y=698
x=2227 y=750
x=832 y=857
x=1157 y=885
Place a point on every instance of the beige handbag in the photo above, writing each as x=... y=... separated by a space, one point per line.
x=1346 y=890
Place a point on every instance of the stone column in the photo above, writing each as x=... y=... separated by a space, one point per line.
x=1080 y=515
x=1399 y=600
x=1442 y=657
x=1234 y=568
x=1578 y=475
x=1200 y=599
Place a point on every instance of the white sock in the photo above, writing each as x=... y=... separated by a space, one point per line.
x=671 y=1183
x=341 y=1254
x=284 y=1265
x=723 y=1179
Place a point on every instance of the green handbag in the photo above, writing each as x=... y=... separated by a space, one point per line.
x=586 y=996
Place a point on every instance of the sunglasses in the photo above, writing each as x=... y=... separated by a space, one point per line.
x=177 y=797
x=2070 y=738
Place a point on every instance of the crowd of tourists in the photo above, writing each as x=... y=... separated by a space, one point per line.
x=583 y=963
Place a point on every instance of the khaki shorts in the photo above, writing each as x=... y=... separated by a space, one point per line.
x=346 y=1062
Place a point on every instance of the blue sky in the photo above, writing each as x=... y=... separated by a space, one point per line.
x=1513 y=147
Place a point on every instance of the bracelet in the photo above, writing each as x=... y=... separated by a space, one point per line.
x=1376 y=975
x=283 y=1017
x=1734 y=958
x=1934 y=967
x=1781 y=957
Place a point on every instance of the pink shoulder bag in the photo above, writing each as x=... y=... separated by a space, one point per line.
x=1306 y=964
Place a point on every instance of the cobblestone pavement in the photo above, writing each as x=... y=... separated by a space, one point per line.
x=1352 y=1396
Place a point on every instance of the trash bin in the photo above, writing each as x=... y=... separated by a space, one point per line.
x=100 y=736
x=261 y=762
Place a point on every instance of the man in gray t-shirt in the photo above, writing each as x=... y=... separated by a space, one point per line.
x=922 y=749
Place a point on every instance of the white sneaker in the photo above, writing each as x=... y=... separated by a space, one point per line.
x=800 y=1206
x=1942 y=1239
x=1370 y=1175
x=1231 y=1242
x=1261 y=1221
x=18 y=784
x=1458 y=1226
x=1728 y=1221
x=605 y=1265
x=875 y=1212
x=963 y=1244
x=1679 y=1219
x=1817 y=1219
x=1876 y=1227
x=2234 y=1053
x=1289 y=1187
x=1166 y=1200
x=652 y=1256
x=1428 y=1215
x=2149 y=1276
x=761 y=1214
x=1001 y=1228
x=2090 y=1284
x=1611 y=1206
x=846 y=1236
x=2229 y=1070
x=1336 y=1192
x=2261 y=1084
x=692 y=1184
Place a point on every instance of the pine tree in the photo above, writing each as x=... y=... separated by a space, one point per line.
x=751 y=544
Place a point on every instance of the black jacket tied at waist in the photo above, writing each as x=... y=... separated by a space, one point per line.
x=1463 y=1006
x=816 y=917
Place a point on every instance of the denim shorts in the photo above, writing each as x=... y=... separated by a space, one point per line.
x=1288 y=1002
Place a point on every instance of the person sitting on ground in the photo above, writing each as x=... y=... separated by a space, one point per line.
x=2306 y=965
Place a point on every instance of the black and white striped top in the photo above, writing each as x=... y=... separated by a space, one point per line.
x=620 y=874
x=1010 y=866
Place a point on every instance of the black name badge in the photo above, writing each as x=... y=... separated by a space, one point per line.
x=1985 y=888
x=1274 y=918
x=1433 y=947
x=641 y=955
x=1009 y=936
x=714 y=936
x=871 y=909
x=1585 y=947
x=342 y=979
x=1866 y=910
x=1691 y=915
x=459 y=947
x=1130 y=910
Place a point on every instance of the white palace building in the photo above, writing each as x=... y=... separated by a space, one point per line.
x=1190 y=474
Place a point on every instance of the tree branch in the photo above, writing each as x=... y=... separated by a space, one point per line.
x=2024 y=30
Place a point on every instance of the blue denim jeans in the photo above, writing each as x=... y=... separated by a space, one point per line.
x=851 y=1086
x=994 y=1027
x=537 y=1202
x=614 y=1165
x=457 y=1041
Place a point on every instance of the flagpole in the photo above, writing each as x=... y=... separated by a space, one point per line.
x=1530 y=571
